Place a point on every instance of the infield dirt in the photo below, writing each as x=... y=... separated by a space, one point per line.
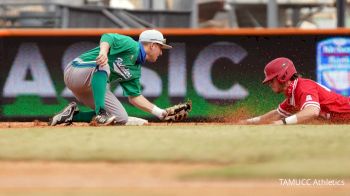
x=103 y=178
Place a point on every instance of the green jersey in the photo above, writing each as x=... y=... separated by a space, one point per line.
x=122 y=56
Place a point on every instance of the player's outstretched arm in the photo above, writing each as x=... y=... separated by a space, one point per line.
x=142 y=103
x=308 y=113
x=176 y=112
x=268 y=117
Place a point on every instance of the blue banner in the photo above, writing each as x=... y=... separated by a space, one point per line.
x=333 y=64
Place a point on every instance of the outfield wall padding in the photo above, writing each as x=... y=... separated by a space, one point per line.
x=220 y=70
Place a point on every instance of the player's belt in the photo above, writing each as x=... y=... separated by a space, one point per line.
x=77 y=62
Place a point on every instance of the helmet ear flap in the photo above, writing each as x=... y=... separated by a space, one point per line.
x=282 y=78
x=286 y=74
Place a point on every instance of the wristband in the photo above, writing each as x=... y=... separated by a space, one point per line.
x=253 y=120
x=158 y=112
x=291 y=120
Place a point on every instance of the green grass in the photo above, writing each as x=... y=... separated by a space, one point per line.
x=239 y=151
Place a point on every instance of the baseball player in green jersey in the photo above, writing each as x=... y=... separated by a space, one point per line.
x=118 y=58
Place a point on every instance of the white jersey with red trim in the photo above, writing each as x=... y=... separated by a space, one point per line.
x=302 y=93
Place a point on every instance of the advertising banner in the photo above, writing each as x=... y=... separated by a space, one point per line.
x=333 y=64
x=221 y=74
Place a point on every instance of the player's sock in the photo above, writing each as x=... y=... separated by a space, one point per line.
x=83 y=116
x=98 y=84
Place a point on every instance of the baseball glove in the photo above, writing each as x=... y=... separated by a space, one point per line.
x=178 y=112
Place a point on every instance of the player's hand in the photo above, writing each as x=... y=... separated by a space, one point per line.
x=102 y=59
x=243 y=122
x=277 y=122
x=250 y=121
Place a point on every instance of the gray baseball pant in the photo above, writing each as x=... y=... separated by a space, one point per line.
x=78 y=80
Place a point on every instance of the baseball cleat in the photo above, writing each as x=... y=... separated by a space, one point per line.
x=104 y=118
x=65 y=116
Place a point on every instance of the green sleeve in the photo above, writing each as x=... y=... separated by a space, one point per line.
x=131 y=87
x=118 y=43
x=107 y=38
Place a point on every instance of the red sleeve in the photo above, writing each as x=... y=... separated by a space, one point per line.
x=308 y=96
x=285 y=109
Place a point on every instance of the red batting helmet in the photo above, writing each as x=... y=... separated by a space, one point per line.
x=282 y=68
